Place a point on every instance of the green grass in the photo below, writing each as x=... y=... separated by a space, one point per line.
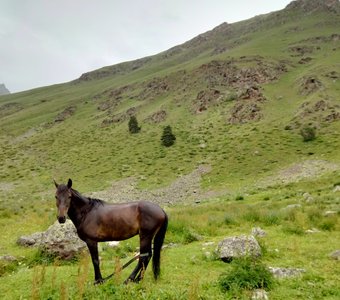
x=190 y=263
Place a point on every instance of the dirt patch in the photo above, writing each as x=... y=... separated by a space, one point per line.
x=184 y=189
x=299 y=171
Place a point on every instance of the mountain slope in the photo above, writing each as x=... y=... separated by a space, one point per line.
x=236 y=98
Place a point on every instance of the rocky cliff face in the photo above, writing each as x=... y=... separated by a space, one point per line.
x=3 y=90
x=313 y=5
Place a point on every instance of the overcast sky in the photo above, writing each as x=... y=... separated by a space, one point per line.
x=45 y=42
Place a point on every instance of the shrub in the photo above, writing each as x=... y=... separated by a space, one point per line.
x=308 y=133
x=246 y=273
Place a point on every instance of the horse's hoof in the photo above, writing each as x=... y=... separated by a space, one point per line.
x=99 y=281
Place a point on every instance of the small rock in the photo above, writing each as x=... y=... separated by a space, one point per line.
x=292 y=206
x=257 y=231
x=313 y=230
x=8 y=258
x=286 y=272
x=308 y=198
x=335 y=255
x=330 y=213
x=336 y=188
x=259 y=295
x=113 y=244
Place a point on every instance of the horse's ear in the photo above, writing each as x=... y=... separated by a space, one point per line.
x=69 y=183
x=55 y=183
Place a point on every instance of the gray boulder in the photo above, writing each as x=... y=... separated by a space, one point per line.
x=59 y=240
x=335 y=255
x=238 y=246
x=286 y=272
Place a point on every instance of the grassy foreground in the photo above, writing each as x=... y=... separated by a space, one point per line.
x=190 y=269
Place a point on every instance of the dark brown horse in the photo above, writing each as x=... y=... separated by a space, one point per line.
x=98 y=221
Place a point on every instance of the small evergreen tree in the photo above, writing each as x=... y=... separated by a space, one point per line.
x=168 y=138
x=133 y=125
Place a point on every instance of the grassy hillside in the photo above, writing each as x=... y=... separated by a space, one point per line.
x=236 y=98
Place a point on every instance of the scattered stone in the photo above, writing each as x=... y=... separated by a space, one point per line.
x=292 y=206
x=313 y=230
x=257 y=231
x=335 y=255
x=336 y=188
x=206 y=244
x=259 y=294
x=286 y=272
x=308 y=197
x=330 y=213
x=30 y=240
x=59 y=240
x=113 y=244
x=8 y=258
x=238 y=246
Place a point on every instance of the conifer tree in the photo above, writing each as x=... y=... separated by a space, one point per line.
x=133 y=125
x=168 y=138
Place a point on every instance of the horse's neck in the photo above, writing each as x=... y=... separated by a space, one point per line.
x=78 y=204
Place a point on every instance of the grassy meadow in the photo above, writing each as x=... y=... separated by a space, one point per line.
x=258 y=167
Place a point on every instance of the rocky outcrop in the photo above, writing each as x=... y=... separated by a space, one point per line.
x=310 y=6
x=3 y=90
x=60 y=240
x=157 y=117
x=66 y=113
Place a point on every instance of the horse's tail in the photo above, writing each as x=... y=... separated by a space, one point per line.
x=157 y=247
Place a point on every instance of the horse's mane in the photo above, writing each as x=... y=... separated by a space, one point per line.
x=92 y=201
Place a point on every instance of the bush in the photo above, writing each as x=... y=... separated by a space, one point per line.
x=308 y=133
x=246 y=273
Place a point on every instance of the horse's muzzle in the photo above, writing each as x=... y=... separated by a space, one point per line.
x=62 y=220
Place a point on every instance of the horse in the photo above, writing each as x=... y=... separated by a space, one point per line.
x=99 y=221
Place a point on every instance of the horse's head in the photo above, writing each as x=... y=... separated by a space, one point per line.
x=63 y=199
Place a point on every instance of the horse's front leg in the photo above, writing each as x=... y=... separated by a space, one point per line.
x=93 y=248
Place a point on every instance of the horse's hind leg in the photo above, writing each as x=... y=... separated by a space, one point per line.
x=144 y=258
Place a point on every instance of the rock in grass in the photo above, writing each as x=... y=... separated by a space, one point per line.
x=335 y=255
x=259 y=294
x=60 y=240
x=286 y=272
x=238 y=246
x=257 y=231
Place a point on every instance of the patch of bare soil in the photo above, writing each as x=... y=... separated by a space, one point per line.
x=184 y=189
x=299 y=171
